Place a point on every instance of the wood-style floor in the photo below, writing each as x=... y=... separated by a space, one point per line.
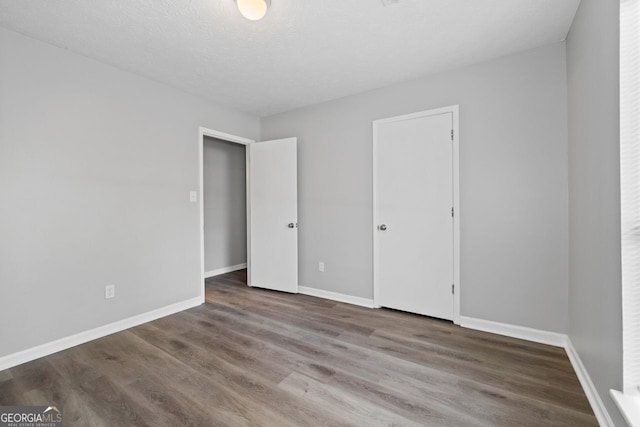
x=256 y=357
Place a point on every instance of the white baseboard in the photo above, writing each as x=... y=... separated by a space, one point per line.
x=521 y=332
x=529 y=334
x=37 y=352
x=600 y=411
x=549 y=338
x=334 y=296
x=224 y=270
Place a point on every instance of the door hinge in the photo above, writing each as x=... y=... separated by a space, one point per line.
x=452 y=134
x=452 y=212
x=453 y=287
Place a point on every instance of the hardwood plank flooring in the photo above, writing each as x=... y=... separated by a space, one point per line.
x=256 y=357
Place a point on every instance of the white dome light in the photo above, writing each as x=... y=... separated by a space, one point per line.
x=253 y=10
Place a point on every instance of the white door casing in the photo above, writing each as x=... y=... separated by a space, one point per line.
x=273 y=215
x=416 y=257
x=202 y=133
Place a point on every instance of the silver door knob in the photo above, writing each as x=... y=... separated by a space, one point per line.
x=382 y=227
x=291 y=225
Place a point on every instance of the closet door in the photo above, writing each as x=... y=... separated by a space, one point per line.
x=413 y=240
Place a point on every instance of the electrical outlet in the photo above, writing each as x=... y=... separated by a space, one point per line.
x=193 y=196
x=109 y=291
x=321 y=266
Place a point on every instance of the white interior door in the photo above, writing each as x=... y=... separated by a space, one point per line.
x=273 y=215
x=414 y=201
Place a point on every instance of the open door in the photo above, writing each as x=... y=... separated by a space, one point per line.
x=273 y=214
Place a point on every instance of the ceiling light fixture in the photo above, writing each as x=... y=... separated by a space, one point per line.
x=253 y=10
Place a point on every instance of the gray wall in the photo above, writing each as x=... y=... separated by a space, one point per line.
x=96 y=165
x=595 y=290
x=513 y=157
x=225 y=204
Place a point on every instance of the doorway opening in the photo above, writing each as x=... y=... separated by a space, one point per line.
x=224 y=198
x=224 y=206
x=271 y=212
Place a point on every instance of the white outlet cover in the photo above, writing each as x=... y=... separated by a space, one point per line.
x=109 y=291
x=321 y=266
x=193 y=196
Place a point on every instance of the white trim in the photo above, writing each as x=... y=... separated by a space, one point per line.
x=247 y=170
x=376 y=257
x=425 y=113
x=202 y=132
x=593 y=396
x=225 y=136
x=456 y=216
x=629 y=405
x=549 y=338
x=455 y=112
x=334 y=296
x=33 y=353
x=513 y=331
x=224 y=270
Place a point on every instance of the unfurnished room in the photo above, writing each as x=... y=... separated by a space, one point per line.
x=320 y=213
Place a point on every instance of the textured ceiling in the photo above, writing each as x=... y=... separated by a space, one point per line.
x=303 y=52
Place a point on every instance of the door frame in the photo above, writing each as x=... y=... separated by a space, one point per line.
x=454 y=110
x=202 y=132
